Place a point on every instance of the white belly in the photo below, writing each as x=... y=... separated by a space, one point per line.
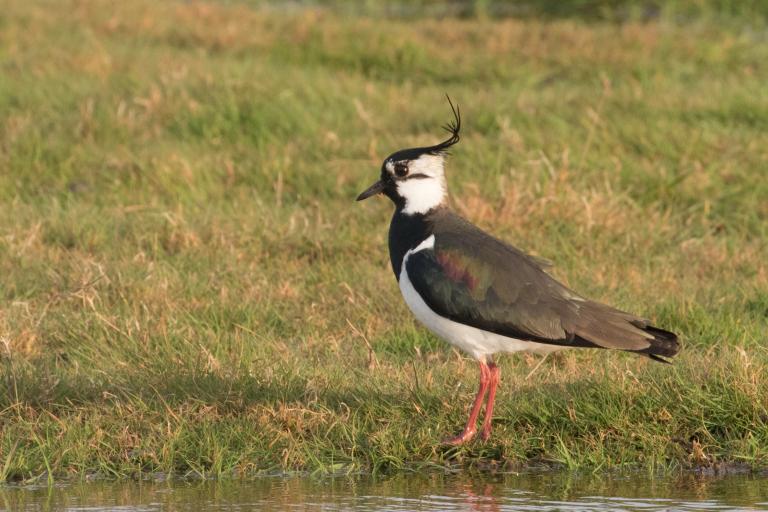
x=475 y=342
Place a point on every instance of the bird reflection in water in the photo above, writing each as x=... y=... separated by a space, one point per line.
x=481 y=497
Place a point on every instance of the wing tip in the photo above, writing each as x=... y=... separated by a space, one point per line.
x=664 y=344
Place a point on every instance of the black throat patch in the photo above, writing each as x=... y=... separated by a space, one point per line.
x=406 y=232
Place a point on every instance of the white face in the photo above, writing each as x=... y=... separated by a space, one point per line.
x=421 y=182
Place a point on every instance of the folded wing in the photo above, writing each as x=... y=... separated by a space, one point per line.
x=478 y=280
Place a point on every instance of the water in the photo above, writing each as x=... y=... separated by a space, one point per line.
x=532 y=491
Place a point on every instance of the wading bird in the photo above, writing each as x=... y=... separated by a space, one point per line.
x=481 y=294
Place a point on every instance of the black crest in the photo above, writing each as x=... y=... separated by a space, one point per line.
x=453 y=128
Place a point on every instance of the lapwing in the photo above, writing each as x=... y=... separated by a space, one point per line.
x=483 y=295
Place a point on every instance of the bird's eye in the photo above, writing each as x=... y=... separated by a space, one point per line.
x=401 y=169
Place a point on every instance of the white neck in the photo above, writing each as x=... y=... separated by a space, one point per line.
x=423 y=194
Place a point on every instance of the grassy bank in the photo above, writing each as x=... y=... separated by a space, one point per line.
x=187 y=285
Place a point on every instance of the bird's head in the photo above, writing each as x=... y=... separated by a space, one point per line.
x=414 y=179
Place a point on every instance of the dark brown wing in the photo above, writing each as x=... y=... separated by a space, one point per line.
x=475 y=279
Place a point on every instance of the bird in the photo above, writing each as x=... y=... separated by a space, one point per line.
x=482 y=295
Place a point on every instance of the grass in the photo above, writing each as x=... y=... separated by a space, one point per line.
x=188 y=286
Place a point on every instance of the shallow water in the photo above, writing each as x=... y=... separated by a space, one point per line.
x=530 y=491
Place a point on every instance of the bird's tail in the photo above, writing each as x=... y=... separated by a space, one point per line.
x=664 y=343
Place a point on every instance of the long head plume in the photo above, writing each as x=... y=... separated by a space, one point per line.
x=452 y=127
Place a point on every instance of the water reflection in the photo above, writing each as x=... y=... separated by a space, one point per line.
x=465 y=492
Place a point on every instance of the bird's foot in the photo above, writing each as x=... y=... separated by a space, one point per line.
x=462 y=438
x=485 y=434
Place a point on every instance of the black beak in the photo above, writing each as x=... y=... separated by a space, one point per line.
x=374 y=189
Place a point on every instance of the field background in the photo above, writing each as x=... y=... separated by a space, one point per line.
x=187 y=285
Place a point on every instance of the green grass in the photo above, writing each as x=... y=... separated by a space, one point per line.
x=188 y=286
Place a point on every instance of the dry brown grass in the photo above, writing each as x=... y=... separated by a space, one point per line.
x=188 y=285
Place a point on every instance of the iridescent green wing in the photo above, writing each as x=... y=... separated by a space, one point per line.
x=474 y=279
x=478 y=280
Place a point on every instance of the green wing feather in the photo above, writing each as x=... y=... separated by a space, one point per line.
x=476 y=279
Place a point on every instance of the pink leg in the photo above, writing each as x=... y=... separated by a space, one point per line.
x=494 y=376
x=470 y=430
